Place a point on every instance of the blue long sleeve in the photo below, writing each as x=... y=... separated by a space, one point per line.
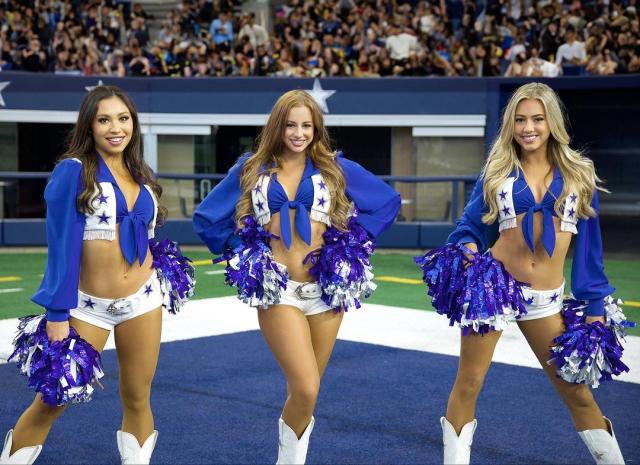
x=214 y=219
x=58 y=292
x=588 y=281
x=377 y=203
x=470 y=228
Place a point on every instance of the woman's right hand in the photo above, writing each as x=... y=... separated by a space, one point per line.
x=57 y=330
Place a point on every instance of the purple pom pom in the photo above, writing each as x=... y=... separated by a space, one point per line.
x=474 y=290
x=590 y=353
x=252 y=269
x=175 y=272
x=62 y=372
x=342 y=266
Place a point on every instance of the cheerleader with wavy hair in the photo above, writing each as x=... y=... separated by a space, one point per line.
x=104 y=273
x=539 y=193
x=296 y=222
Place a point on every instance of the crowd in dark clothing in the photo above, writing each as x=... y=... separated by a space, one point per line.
x=317 y=38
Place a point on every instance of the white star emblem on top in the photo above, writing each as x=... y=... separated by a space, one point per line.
x=90 y=88
x=2 y=86
x=320 y=95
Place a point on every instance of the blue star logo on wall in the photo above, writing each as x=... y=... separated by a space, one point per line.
x=320 y=95
x=2 y=87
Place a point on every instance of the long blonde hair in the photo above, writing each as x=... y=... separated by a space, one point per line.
x=577 y=170
x=271 y=145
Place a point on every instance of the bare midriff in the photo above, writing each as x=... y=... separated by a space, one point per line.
x=293 y=257
x=537 y=269
x=105 y=273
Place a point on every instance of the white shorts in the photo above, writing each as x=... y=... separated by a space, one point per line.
x=304 y=296
x=540 y=304
x=108 y=313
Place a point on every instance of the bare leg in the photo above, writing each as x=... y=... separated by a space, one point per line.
x=476 y=352
x=577 y=397
x=34 y=424
x=324 y=332
x=294 y=345
x=138 y=346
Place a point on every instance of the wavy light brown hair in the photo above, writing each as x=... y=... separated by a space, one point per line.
x=81 y=146
x=577 y=170
x=269 y=153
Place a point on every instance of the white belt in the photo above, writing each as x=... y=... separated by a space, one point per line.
x=305 y=291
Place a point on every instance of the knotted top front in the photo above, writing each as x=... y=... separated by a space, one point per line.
x=302 y=203
x=134 y=223
x=524 y=202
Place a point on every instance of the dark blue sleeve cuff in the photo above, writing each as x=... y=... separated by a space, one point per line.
x=595 y=307
x=57 y=315
x=234 y=241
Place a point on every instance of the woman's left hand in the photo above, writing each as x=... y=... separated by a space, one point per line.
x=591 y=319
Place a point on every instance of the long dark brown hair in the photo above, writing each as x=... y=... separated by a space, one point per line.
x=82 y=146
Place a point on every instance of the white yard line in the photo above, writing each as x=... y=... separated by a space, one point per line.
x=374 y=324
x=13 y=289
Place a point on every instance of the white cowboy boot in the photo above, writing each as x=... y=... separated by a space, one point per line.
x=457 y=448
x=26 y=455
x=130 y=451
x=291 y=450
x=603 y=445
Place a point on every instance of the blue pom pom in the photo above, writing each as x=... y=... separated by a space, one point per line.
x=63 y=371
x=342 y=266
x=252 y=269
x=590 y=353
x=175 y=272
x=471 y=289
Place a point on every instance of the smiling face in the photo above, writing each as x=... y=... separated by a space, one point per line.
x=112 y=127
x=299 y=130
x=531 y=130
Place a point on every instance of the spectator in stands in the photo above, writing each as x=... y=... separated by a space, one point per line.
x=602 y=64
x=221 y=30
x=139 y=30
x=323 y=38
x=572 y=52
x=256 y=33
x=538 y=67
x=400 y=45
x=138 y=12
x=34 y=58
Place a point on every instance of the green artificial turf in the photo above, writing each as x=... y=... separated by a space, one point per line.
x=623 y=274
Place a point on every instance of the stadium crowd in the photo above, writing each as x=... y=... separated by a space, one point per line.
x=318 y=38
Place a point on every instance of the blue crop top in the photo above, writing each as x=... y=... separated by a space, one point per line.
x=377 y=204
x=67 y=228
x=588 y=280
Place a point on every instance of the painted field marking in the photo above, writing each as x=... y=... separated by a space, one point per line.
x=9 y=279
x=215 y=272
x=205 y=262
x=15 y=289
x=395 y=279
